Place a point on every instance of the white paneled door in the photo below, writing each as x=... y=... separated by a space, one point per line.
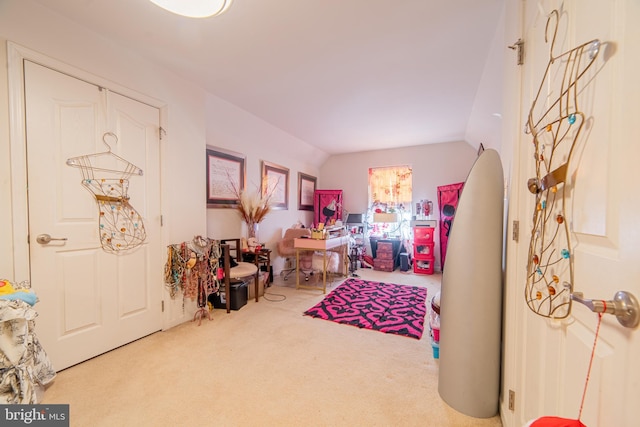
x=91 y=299
x=601 y=206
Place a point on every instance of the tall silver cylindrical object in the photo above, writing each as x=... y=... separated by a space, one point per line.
x=471 y=295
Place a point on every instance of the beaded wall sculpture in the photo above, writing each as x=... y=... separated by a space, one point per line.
x=120 y=227
x=555 y=122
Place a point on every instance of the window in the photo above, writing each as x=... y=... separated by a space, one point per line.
x=390 y=193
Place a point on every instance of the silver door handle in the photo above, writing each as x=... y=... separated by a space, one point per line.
x=43 y=239
x=624 y=306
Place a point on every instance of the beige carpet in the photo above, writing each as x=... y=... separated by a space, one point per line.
x=265 y=365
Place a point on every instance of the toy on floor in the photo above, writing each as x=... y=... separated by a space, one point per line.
x=8 y=292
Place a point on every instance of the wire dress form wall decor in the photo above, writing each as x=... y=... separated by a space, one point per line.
x=555 y=122
x=120 y=226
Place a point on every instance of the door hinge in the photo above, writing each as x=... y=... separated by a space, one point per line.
x=519 y=48
x=161 y=221
x=161 y=131
x=163 y=306
x=512 y=400
x=515 y=232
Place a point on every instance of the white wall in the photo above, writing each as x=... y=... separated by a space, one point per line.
x=234 y=129
x=433 y=165
x=485 y=121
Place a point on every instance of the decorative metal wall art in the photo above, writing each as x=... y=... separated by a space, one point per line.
x=120 y=226
x=555 y=122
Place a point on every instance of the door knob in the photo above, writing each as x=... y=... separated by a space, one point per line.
x=43 y=239
x=624 y=306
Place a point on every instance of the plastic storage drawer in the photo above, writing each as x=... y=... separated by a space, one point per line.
x=425 y=249
x=423 y=233
x=423 y=266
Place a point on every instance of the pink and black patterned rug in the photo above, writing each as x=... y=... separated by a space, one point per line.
x=384 y=307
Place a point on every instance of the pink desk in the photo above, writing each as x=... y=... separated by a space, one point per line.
x=336 y=244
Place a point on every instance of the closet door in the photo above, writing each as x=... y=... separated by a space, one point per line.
x=91 y=300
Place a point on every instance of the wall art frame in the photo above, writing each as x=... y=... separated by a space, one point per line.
x=275 y=184
x=306 y=190
x=226 y=177
x=327 y=206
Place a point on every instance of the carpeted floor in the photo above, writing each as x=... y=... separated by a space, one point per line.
x=385 y=307
x=265 y=365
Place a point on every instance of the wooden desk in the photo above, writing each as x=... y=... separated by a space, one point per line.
x=335 y=244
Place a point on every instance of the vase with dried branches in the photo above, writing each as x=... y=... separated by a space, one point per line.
x=253 y=208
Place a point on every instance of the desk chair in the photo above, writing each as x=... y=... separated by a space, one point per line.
x=286 y=250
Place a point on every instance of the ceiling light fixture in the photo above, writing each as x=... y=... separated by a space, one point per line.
x=194 y=8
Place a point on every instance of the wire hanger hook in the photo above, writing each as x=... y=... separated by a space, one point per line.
x=104 y=139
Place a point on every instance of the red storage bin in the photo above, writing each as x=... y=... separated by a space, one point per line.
x=423 y=266
x=424 y=233
x=425 y=249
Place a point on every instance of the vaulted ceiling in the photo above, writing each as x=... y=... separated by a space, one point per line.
x=343 y=75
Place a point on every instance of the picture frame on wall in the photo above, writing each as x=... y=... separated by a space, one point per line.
x=327 y=206
x=306 y=190
x=275 y=183
x=226 y=177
